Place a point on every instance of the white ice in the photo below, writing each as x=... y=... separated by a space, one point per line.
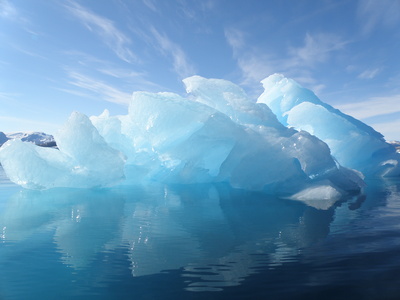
x=353 y=143
x=214 y=134
x=83 y=160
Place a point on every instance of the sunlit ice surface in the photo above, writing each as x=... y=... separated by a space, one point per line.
x=196 y=241
x=287 y=143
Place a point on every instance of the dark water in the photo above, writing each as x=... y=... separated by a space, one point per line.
x=197 y=242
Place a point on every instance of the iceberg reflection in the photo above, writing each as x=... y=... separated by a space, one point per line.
x=217 y=235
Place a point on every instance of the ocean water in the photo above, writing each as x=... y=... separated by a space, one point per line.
x=197 y=242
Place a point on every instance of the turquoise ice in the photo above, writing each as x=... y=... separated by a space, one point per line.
x=214 y=134
x=353 y=143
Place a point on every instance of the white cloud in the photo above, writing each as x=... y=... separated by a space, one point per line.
x=8 y=96
x=11 y=13
x=193 y=10
x=351 y=68
x=390 y=130
x=180 y=61
x=105 y=28
x=375 y=106
x=7 y=10
x=84 y=58
x=27 y=52
x=255 y=68
x=105 y=91
x=235 y=39
x=372 y=13
x=75 y=93
x=136 y=80
x=317 y=89
x=255 y=64
x=317 y=49
x=369 y=74
x=150 y=4
x=120 y=73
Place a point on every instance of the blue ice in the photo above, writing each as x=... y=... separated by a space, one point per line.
x=353 y=143
x=216 y=133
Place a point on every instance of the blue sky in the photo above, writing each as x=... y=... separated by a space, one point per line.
x=62 y=56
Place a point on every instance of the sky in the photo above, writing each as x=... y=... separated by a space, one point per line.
x=57 y=57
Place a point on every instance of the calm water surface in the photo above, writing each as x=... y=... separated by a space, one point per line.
x=197 y=242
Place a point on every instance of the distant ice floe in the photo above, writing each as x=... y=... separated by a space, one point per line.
x=37 y=138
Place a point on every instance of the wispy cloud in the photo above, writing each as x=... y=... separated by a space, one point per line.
x=369 y=74
x=235 y=39
x=11 y=13
x=7 y=10
x=255 y=67
x=255 y=64
x=83 y=58
x=389 y=129
x=116 y=40
x=318 y=88
x=372 y=13
x=317 y=48
x=85 y=63
x=27 y=52
x=76 y=93
x=136 y=80
x=6 y=96
x=170 y=49
x=193 y=10
x=376 y=106
x=120 y=73
x=150 y=4
x=103 y=90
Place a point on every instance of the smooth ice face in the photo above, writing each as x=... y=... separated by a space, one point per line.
x=216 y=134
x=231 y=100
x=353 y=143
x=32 y=166
x=83 y=160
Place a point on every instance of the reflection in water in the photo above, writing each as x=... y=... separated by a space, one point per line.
x=215 y=235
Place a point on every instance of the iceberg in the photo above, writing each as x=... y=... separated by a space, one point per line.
x=215 y=134
x=38 y=138
x=353 y=143
x=83 y=160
